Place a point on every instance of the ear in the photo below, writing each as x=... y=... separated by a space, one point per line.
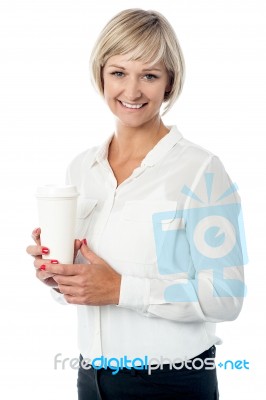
x=168 y=88
x=167 y=92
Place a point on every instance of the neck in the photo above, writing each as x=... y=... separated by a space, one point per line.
x=135 y=143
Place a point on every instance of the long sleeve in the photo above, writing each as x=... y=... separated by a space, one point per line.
x=200 y=255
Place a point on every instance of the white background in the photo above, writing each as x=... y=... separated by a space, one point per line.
x=50 y=112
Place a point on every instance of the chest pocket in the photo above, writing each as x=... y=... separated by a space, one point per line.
x=135 y=240
x=86 y=207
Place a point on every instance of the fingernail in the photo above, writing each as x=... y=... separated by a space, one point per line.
x=43 y=267
x=36 y=230
x=54 y=262
x=84 y=241
x=45 y=250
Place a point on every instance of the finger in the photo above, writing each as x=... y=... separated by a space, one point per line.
x=47 y=279
x=67 y=290
x=40 y=263
x=36 y=235
x=63 y=269
x=77 y=246
x=42 y=275
x=89 y=254
x=38 y=250
x=66 y=280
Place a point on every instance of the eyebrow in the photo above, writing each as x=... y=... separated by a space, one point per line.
x=144 y=70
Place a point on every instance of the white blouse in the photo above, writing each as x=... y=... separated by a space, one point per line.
x=174 y=231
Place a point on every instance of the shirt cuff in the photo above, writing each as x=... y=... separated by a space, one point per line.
x=134 y=293
x=59 y=297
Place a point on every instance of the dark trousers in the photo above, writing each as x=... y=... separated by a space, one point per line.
x=160 y=384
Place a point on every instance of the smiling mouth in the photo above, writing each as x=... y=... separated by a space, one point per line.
x=132 y=106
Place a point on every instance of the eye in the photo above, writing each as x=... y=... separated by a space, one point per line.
x=118 y=74
x=150 y=77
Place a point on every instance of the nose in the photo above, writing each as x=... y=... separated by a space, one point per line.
x=132 y=89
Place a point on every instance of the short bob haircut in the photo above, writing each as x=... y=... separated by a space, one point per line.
x=150 y=38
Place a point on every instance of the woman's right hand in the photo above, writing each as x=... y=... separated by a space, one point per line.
x=37 y=251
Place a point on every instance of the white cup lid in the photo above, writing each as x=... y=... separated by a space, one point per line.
x=57 y=191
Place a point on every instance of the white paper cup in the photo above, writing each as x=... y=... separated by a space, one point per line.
x=57 y=207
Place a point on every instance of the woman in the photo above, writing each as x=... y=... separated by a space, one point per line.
x=159 y=258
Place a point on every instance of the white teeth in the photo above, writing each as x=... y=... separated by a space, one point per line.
x=131 y=105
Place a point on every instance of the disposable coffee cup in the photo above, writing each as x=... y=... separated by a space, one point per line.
x=57 y=208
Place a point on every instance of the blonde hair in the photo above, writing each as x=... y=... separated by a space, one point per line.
x=149 y=37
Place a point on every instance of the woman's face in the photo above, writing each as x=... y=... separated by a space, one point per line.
x=133 y=90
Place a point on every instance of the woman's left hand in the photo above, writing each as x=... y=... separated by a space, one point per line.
x=95 y=283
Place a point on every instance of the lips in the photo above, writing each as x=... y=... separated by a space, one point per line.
x=131 y=106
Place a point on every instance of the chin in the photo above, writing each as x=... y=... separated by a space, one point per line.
x=133 y=124
x=135 y=121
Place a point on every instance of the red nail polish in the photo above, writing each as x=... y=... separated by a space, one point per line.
x=84 y=241
x=54 y=262
x=43 y=267
x=45 y=250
